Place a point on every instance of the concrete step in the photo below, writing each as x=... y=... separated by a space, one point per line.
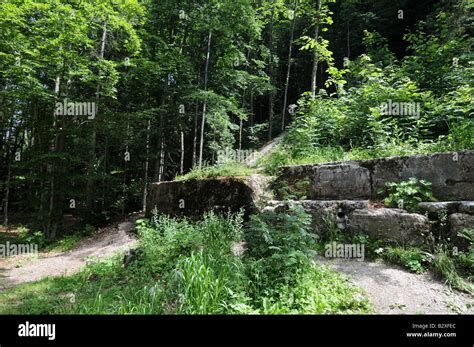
x=390 y=224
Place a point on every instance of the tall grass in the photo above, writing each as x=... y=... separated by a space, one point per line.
x=189 y=267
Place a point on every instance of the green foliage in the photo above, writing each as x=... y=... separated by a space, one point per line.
x=445 y=267
x=464 y=260
x=204 y=283
x=222 y=170
x=193 y=268
x=281 y=244
x=412 y=259
x=26 y=236
x=408 y=194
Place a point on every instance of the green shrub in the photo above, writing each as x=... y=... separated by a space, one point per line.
x=281 y=244
x=412 y=259
x=26 y=236
x=408 y=194
x=221 y=170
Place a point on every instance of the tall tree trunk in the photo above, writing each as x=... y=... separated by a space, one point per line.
x=270 y=73
x=181 y=167
x=252 y=110
x=159 y=169
x=8 y=158
x=315 y=53
x=90 y=182
x=348 y=41
x=160 y=161
x=196 y=115
x=206 y=76
x=7 y=185
x=288 y=69
x=50 y=229
x=7 y=195
x=104 y=184
x=147 y=159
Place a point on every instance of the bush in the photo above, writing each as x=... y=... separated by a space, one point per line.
x=408 y=194
x=219 y=170
x=281 y=245
x=412 y=259
x=26 y=236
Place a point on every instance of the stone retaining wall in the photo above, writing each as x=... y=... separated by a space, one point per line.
x=452 y=176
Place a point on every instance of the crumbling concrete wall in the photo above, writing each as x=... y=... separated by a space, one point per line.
x=452 y=176
x=192 y=198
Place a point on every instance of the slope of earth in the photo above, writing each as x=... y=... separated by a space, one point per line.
x=106 y=242
x=396 y=291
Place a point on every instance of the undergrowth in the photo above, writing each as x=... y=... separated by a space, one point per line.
x=218 y=265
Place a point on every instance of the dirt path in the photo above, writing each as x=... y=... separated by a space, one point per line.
x=393 y=290
x=106 y=242
x=252 y=161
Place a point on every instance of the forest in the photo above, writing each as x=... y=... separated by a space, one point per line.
x=100 y=98
x=110 y=106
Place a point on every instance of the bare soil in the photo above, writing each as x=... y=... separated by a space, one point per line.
x=106 y=242
x=393 y=290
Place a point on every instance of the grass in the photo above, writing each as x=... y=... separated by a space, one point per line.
x=224 y=170
x=189 y=268
x=64 y=243
x=281 y=155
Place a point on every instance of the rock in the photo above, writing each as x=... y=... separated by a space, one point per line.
x=433 y=209
x=466 y=207
x=238 y=248
x=192 y=198
x=451 y=174
x=457 y=222
x=390 y=224
x=341 y=181
x=132 y=255
x=322 y=211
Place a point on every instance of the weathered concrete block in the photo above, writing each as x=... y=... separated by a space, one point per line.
x=435 y=209
x=451 y=174
x=457 y=222
x=341 y=181
x=322 y=211
x=390 y=224
x=466 y=207
x=330 y=181
x=192 y=198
